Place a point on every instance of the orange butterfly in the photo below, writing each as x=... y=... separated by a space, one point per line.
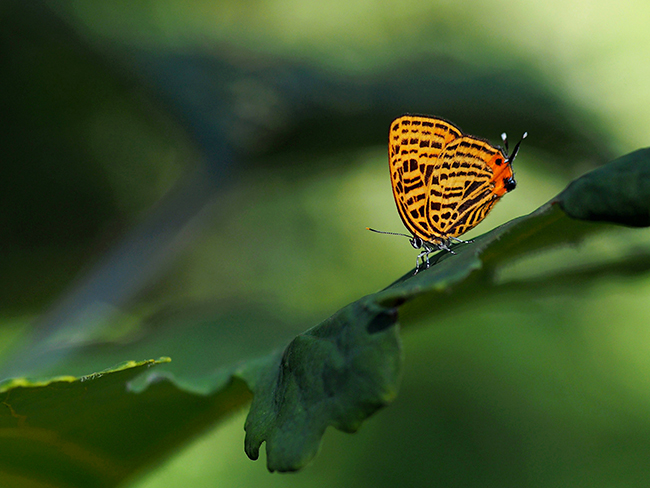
x=444 y=182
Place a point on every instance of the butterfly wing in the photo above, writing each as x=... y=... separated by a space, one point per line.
x=415 y=143
x=470 y=176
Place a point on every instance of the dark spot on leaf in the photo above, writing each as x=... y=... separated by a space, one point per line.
x=382 y=321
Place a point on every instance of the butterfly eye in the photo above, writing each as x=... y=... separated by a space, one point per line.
x=509 y=184
x=416 y=242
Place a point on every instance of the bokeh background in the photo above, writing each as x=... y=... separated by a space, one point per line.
x=174 y=160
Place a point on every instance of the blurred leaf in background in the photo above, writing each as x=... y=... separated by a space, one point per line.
x=177 y=167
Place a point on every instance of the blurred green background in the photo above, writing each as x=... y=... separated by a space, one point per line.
x=171 y=160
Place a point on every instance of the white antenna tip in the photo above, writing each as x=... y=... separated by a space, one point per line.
x=504 y=137
x=525 y=135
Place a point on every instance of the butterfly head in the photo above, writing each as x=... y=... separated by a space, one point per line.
x=416 y=242
x=509 y=183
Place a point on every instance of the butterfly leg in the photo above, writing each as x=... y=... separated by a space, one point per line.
x=421 y=257
x=429 y=249
x=427 y=258
x=451 y=238
x=444 y=246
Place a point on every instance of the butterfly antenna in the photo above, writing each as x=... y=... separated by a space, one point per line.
x=390 y=233
x=512 y=157
x=504 y=138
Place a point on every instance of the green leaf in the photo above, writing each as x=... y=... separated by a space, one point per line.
x=337 y=373
x=617 y=192
x=340 y=372
x=92 y=430
x=100 y=429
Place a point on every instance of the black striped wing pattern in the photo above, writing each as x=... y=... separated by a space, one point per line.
x=444 y=182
